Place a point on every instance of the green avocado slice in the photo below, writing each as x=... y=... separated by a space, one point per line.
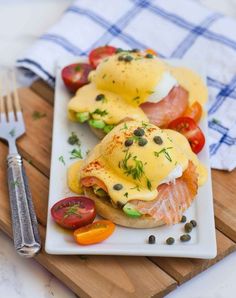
x=129 y=210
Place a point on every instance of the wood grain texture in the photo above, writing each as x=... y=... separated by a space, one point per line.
x=43 y=90
x=35 y=145
x=182 y=269
x=224 y=191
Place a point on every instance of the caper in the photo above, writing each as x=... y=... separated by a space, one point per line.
x=120 y=58
x=183 y=219
x=142 y=142
x=185 y=237
x=118 y=186
x=100 y=97
x=151 y=239
x=158 y=140
x=134 y=51
x=128 y=58
x=149 y=56
x=128 y=142
x=188 y=227
x=170 y=241
x=139 y=132
x=193 y=222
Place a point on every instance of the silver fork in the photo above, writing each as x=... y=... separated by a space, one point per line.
x=24 y=221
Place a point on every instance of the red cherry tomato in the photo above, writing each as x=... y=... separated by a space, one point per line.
x=74 y=212
x=194 y=111
x=76 y=75
x=96 y=55
x=188 y=127
x=94 y=233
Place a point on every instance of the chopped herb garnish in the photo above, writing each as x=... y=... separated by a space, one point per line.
x=100 y=112
x=136 y=98
x=73 y=139
x=61 y=159
x=164 y=151
x=144 y=124
x=76 y=153
x=104 y=76
x=124 y=127
x=78 y=68
x=38 y=115
x=126 y=195
x=12 y=132
x=150 y=92
x=149 y=184
x=136 y=187
x=72 y=210
x=87 y=152
x=136 y=170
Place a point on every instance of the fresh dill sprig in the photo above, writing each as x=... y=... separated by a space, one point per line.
x=61 y=159
x=136 y=170
x=164 y=151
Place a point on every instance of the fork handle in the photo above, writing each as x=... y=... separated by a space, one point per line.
x=24 y=222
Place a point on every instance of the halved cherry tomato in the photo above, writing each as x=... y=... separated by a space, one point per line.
x=188 y=127
x=76 y=75
x=74 y=212
x=94 y=233
x=194 y=111
x=96 y=55
x=151 y=51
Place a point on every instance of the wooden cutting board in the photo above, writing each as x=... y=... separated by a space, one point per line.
x=106 y=276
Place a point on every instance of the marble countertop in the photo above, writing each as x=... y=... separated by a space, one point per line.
x=24 y=278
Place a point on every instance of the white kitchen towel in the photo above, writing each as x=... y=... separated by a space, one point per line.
x=175 y=29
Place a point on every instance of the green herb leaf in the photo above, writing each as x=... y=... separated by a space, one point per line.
x=72 y=210
x=76 y=153
x=164 y=151
x=73 y=139
x=149 y=184
x=136 y=170
x=38 y=115
x=61 y=159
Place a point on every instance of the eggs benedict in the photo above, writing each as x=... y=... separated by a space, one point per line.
x=132 y=86
x=141 y=176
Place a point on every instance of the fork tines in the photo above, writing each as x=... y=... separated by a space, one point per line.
x=10 y=109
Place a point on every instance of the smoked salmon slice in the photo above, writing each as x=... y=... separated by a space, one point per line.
x=91 y=181
x=173 y=198
x=169 y=108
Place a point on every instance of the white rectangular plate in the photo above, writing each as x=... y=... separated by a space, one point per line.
x=124 y=241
